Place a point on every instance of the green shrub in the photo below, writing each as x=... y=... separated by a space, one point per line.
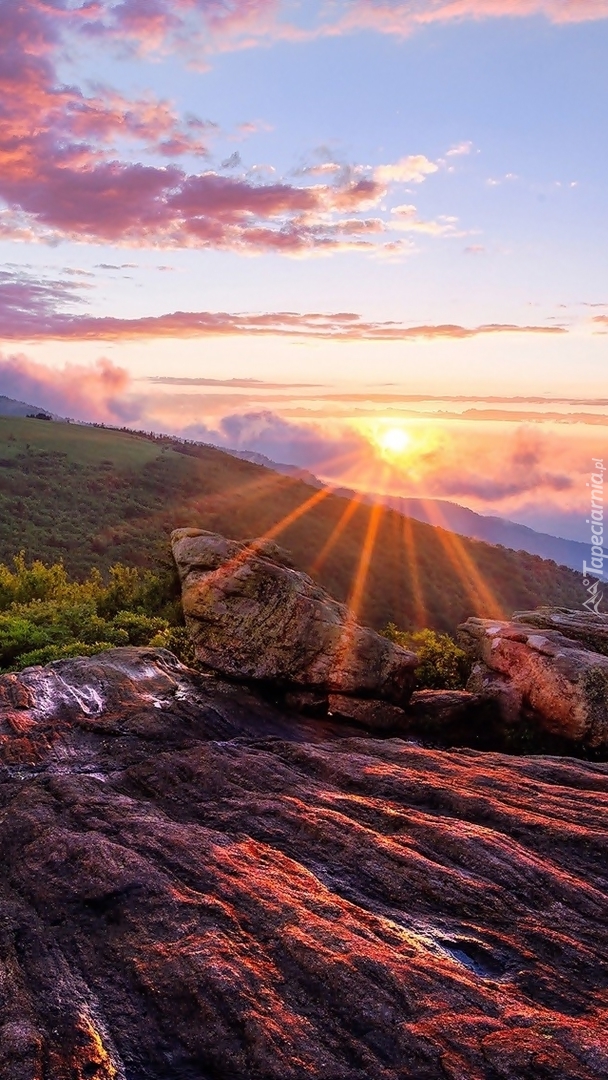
x=45 y=615
x=178 y=641
x=443 y=665
x=61 y=652
x=139 y=628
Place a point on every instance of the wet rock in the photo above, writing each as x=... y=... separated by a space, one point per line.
x=197 y=884
x=563 y=685
x=252 y=617
x=131 y=695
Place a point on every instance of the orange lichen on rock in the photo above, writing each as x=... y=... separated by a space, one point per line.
x=79 y=1053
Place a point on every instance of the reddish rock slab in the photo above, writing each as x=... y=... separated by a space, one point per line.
x=562 y=683
x=182 y=898
x=445 y=707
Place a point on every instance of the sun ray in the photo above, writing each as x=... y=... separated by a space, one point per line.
x=352 y=506
x=355 y=597
x=253 y=547
x=477 y=588
x=409 y=543
x=367 y=550
x=354 y=602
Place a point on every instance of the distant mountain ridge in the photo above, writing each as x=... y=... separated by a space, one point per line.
x=11 y=407
x=451 y=516
x=494 y=530
x=447 y=515
x=277 y=466
x=94 y=496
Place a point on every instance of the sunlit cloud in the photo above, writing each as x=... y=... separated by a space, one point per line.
x=401 y=18
x=405 y=218
x=33 y=309
x=408 y=170
x=246 y=384
x=199 y=27
x=460 y=149
x=95 y=392
x=100 y=167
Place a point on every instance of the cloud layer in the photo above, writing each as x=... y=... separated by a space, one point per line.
x=212 y=26
x=403 y=17
x=89 y=166
x=101 y=167
x=31 y=309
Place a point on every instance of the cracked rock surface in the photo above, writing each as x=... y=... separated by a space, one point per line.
x=196 y=884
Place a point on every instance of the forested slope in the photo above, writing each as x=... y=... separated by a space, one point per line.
x=95 y=496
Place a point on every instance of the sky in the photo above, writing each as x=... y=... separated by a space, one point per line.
x=367 y=237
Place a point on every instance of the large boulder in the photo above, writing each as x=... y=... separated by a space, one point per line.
x=253 y=617
x=563 y=685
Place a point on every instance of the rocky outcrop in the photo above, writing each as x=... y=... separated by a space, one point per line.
x=590 y=630
x=197 y=884
x=252 y=617
x=539 y=673
x=131 y=697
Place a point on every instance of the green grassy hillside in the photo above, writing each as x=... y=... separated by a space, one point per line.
x=94 y=497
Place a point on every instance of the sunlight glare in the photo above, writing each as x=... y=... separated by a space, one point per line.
x=394 y=441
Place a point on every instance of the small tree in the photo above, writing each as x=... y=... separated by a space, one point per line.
x=443 y=665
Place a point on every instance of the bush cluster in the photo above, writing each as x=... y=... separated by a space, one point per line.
x=45 y=615
x=443 y=664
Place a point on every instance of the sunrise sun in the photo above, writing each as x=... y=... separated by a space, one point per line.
x=394 y=441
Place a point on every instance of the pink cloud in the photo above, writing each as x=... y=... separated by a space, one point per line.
x=95 y=392
x=212 y=26
x=32 y=309
x=152 y=122
x=60 y=175
x=205 y=26
x=64 y=176
x=527 y=467
x=68 y=160
x=403 y=17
